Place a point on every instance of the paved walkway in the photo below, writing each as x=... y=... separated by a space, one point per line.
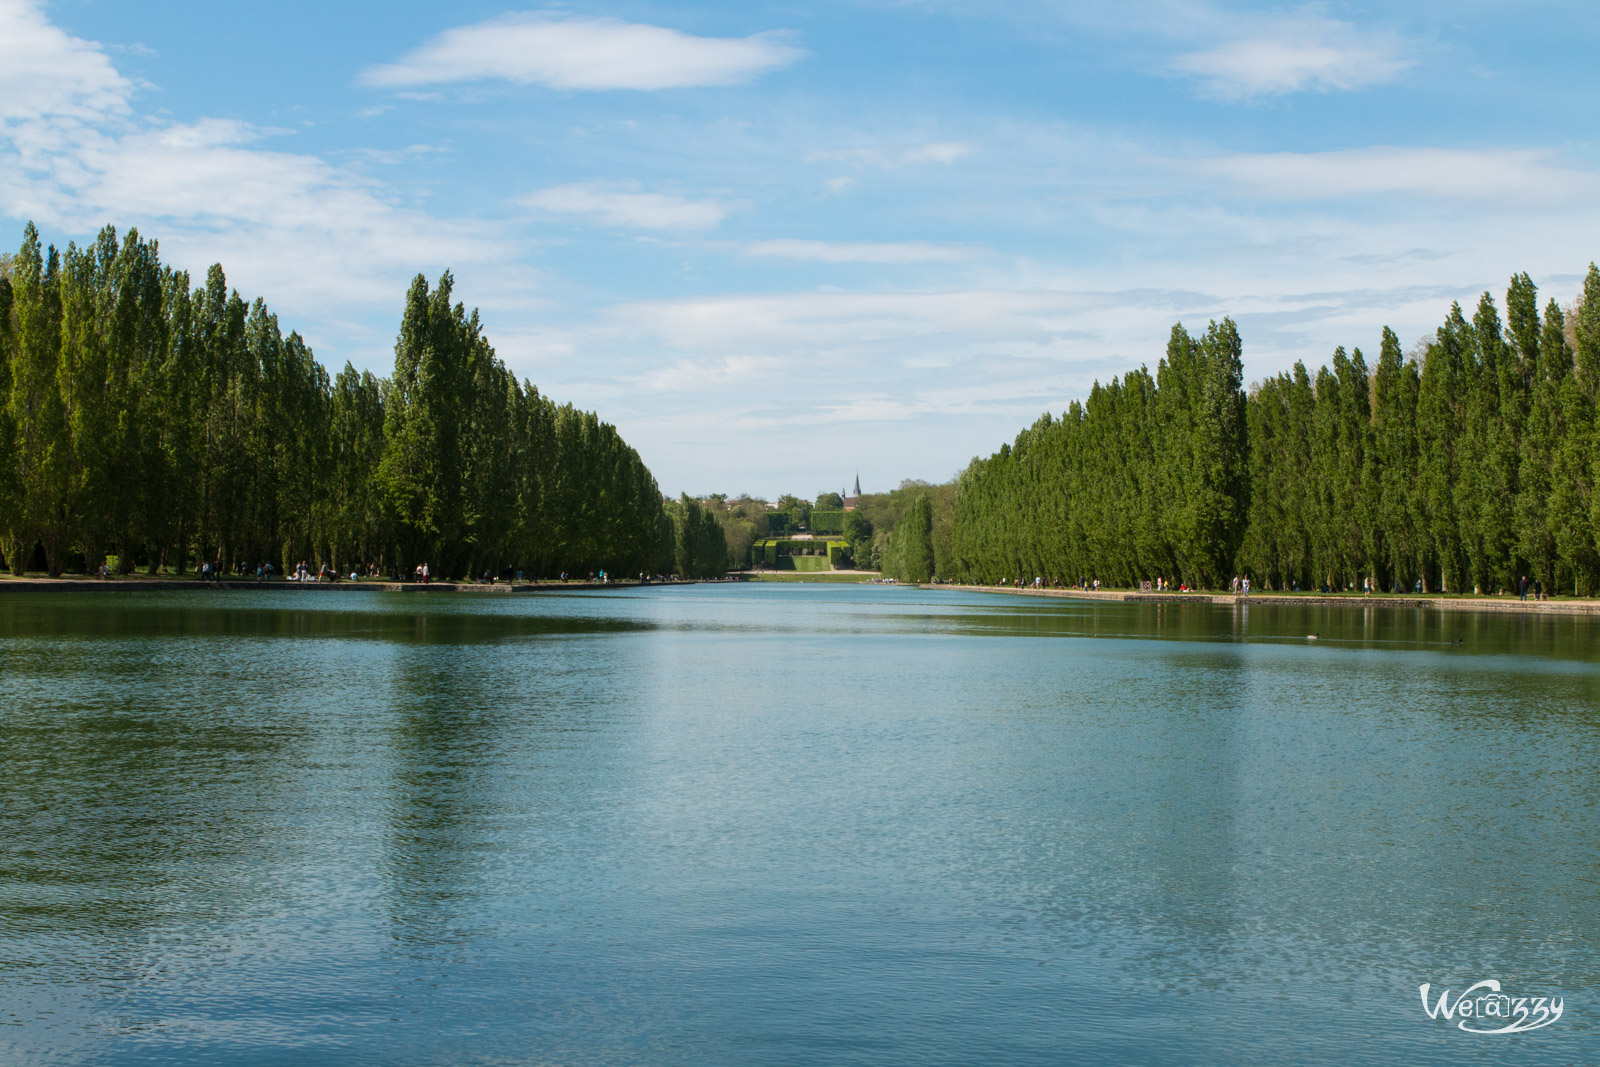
x=1435 y=603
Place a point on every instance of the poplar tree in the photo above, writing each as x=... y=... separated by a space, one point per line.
x=159 y=421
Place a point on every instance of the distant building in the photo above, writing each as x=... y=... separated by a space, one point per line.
x=850 y=500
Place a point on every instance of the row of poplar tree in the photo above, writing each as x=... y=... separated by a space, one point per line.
x=1465 y=466
x=165 y=425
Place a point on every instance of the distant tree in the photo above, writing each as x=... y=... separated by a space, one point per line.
x=912 y=538
x=857 y=529
x=829 y=502
x=699 y=547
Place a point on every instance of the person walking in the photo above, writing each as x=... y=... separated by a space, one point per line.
x=1522 y=587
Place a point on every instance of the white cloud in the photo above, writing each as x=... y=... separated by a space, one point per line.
x=45 y=72
x=582 y=53
x=888 y=158
x=614 y=206
x=1467 y=174
x=860 y=251
x=691 y=376
x=321 y=243
x=1015 y=321
x=1293 y=53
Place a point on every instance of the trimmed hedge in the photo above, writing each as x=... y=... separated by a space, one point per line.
x=774 y=552
x=827 y=522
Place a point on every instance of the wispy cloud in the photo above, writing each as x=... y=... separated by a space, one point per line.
x=890 y=158
x=1466 y=174
x=1294 y=53
x=861 y=251
x=695 y=376
x=323 y=243
x=582 y=53
x=620 y=206
x=45 y=72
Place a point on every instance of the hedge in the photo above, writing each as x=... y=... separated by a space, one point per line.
x=827 y=522
x=771 y=551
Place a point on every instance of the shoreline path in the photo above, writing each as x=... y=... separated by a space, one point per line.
x=1394 y=600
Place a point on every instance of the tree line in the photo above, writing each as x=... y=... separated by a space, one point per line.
x=163 y=425
x=1465 y=465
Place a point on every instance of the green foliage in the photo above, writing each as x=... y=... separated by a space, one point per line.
x=867 y=529
x=827 y=522
x=1468 y=465
x=699 y=547
x=828 y=502
x=910 y=553
x=145 y=420
x=856 y=528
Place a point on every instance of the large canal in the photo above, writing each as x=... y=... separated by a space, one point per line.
x=768 y=824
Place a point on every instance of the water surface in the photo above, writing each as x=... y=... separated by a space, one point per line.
x=799 y=824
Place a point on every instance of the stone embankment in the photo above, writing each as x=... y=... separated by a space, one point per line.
x=1432 y=603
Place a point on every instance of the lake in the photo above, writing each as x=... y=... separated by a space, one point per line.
x=789 y=824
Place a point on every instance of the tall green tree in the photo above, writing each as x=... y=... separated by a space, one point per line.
x=912 y=554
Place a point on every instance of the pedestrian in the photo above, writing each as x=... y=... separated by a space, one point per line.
x=1245 y=585
x=1522 y=587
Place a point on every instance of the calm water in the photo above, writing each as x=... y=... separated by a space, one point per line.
x=787 y=825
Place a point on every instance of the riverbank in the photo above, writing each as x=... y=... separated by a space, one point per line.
x=1392 y=600
x=804 y=576
x=139 y=583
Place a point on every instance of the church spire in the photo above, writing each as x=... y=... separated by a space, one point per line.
x=858 y=483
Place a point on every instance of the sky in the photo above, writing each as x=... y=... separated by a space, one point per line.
x=778 y=244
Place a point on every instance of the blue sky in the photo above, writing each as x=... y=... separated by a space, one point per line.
x=776 y=242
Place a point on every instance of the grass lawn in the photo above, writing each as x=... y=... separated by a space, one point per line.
x=810 y=576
